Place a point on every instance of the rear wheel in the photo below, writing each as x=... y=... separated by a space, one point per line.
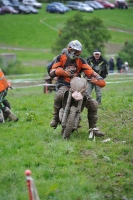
x=70 y=123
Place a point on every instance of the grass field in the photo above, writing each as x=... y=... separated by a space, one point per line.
x=78 y=169
x=75 y=169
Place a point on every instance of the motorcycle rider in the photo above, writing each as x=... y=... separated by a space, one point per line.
x=65 y=67
x=50 y=79
x=49 y=66
x=5 y=111
x=100 y=66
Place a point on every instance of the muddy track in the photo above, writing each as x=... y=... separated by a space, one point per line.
x=109 y=49
x=8 y=47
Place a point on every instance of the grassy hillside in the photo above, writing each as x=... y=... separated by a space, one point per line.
x=76 y=169
x=40 y=31
x=37 y=33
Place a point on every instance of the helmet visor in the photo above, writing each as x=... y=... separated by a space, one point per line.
x=75 y=52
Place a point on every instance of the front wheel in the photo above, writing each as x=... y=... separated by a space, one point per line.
x=67 y=131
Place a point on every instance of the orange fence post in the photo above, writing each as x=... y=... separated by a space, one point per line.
x=33 y=195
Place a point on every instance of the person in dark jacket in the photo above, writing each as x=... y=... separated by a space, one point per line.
x=119 y=64
x=111 y=65
x=100 y=66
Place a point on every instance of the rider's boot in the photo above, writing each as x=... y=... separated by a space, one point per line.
x=92 y=120
x=1 y=117
x=96 y=132
x=55 y=119
x=9 y=114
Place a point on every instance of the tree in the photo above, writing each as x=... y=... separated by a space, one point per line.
x=91 y=33
x=126 y=53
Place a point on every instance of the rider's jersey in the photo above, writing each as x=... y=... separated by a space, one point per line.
x=77 y=66
x=3 y=82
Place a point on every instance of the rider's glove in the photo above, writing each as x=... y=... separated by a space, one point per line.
x=93 y=80
x=65 y=73
x=72 y=75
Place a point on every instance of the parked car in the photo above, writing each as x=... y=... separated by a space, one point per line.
x=23 y=9
x=1 y=11
x=32 y=3
x=62 y=6
x=19 y=6
x=107 y=4
x=99 y=5
x=15 y=4
x=54 y=9
x=92 y=4
x=32 y=9
x=5 y=3
x=85 y=8
x=73 y=5
x=121 y=4
x=9 y=9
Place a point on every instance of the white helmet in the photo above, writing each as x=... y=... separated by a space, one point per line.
x=74 y=49
x=126 y=63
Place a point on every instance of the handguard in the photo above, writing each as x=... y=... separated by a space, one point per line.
x=61 y=72
x=100 y=82
x=65 y=73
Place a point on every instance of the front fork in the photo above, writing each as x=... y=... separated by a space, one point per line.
x=67 y=109
x=77 y=117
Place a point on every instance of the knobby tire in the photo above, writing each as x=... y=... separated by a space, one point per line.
x=70 y=123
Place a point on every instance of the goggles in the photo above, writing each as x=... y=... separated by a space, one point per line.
x=97 y=54
x=75 y=52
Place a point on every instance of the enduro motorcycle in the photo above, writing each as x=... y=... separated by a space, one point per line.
x=51 y=84
x=72 y=105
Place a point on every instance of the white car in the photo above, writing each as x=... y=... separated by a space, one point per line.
x=32 y=3
x=32 y=9
x=85 y=8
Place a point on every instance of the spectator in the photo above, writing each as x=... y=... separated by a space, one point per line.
x=119 y=64
x=100 y=66
x=111 y=65
x=125 y=67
